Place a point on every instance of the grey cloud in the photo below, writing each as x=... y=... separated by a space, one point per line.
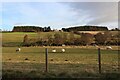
x=101 y=12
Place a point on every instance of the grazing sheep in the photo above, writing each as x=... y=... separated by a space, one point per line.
x=95 y=45
x=108 y=47
x=63 y=50
x=53 y=50
x=63 y=44
x=18 y=50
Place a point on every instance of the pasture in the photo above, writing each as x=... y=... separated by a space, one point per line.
x=14 y=39
x=18 y=36
x=75 y=62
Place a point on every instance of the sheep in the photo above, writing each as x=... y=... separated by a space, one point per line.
x=53 y=50
x=63 y=44
x=18 y=50
x=63 y=50
x=108 y=47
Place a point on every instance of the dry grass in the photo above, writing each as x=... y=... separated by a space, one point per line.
x=75 y=62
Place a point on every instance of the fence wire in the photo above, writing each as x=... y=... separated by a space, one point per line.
x=85 y=60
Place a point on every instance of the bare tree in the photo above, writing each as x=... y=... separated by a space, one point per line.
x=86 y=38
x=108 y=35
x=25 y=40
x=100 y=38
x=58 y=39
x=50 y=39
x=71 y=38
x=103 y=38
x=65 y=37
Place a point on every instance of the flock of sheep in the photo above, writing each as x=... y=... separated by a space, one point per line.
x=63 y=50
x=54 y=50
x=107 y=47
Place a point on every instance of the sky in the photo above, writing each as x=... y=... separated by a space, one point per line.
x=58 y=15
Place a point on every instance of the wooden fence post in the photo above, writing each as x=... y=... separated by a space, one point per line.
x=46 y=59
x=99 y=60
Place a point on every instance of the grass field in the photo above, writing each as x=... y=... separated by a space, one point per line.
x=14 y=39
x=75 y=62
x=18 y=36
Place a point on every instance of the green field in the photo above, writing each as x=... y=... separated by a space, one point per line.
x=18 y=36
x=79 y=61
x=14 y=39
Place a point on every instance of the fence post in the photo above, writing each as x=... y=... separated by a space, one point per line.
x=99 y=60
x=46 y=59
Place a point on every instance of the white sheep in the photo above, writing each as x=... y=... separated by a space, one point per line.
x=53 y=50
x=63 y=44
x=63 y=50
x=18 y=50
x=108 y=47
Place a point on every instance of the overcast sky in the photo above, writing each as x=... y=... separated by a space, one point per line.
x=59 y=14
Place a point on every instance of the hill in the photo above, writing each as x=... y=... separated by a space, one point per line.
x=85 y=28
x=31 y=29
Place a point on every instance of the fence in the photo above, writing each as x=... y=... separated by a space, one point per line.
x=60 y=61
x=85 y=60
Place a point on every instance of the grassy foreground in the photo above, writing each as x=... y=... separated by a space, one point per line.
x=75 y=62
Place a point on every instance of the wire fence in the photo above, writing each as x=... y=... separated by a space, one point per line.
x=77 y=60
x=60 y=61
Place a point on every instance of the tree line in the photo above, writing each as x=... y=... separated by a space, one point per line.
x=70 y=29
x=31 y=29
x=84 y=39
x=85 y=28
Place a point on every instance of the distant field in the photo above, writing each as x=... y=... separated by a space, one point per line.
x=73 y=61
x=95 y=32
x=18 y=36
